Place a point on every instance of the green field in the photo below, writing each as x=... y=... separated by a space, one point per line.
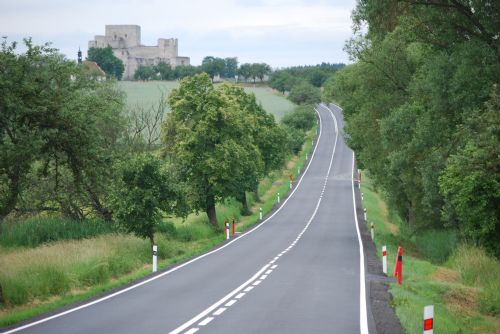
x=147 y=94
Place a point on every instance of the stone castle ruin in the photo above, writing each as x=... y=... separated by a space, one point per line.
x=125 y=40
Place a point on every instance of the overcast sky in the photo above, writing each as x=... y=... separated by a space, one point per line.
x=278 y=32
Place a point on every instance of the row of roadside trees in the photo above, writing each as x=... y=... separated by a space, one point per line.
x=224 y=68
x=65 y=146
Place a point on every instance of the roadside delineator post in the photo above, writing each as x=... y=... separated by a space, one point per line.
x=260 y=213
x=291 y=179
x=232 y=230
x=359 y=178
x=298 y=171
x=278 y=198
x=155 y=258
x=398 y=268
x=429 y=319
x=364 y=213
x=226 y=224
x=307 y=156
x=384 y=259
x=372 y=231
x=362 y=197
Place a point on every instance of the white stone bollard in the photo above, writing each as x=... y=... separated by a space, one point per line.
x=155 y=258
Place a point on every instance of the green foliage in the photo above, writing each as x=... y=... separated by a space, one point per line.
x=436 y=245
x=144 y=73
x=304 y=93
x=59 y=130
x=209 y=135
x=302 y=118
x=107 y=61
x=213 y=66
x=254 y=71
x=427 y=132
x=33 y=232
x=284 y=80
x=143 y=192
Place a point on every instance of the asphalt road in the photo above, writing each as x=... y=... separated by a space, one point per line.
x=301 y=271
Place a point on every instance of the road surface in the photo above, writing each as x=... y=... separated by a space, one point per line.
x=300 y=271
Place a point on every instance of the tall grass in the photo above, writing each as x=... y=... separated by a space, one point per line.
x=35 y=231
x=436 y=245
x=476 y=268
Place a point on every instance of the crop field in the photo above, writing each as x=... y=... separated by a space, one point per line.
x=146 y=94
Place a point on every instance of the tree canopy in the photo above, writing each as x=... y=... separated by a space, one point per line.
x=107 y=61
x=419 y=107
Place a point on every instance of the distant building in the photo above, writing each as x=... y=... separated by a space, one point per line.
x=125 y=40
x=94 y=70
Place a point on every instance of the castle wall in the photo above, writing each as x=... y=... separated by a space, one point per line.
x=125 y=40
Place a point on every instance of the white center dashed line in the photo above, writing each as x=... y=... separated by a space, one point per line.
x=256 y=280
x=206 y=321
x=219 y=311
x=231 y=302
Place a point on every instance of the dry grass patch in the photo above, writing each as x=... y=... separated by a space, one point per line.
x=443 y=274
x=462 y=300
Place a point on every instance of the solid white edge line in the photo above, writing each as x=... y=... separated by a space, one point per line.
x=218 y=303
x=363 y=317
x=17 y=329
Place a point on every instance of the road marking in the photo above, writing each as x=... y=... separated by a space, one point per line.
x=263 y=277
x=224 y=299
x=363 y=317
x=253 y=278
x=248 y=289
x=219 y=311
x=269 y=271
x=206 y=321
x=274 y=267
x=231 y=302
x=192 y=330
x=241 y=294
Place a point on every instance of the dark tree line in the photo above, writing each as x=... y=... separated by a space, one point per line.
x=422 y=110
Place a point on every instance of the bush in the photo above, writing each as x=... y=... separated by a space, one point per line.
x=302 y=118
x=305 y=93
x=295 y=139
x=436 y=245
x=36 y=231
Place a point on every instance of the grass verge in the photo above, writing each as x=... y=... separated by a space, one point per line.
x=462 y=282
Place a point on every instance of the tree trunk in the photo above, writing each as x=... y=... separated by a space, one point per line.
x=11 y=201
x=242 y=198
x=256 y=193
x=2 y=299
x=212 y=215
x=152 y=241
x=103 y=212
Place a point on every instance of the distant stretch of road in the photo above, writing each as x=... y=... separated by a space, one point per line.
x=300 y=271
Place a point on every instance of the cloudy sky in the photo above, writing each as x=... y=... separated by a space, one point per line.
x=278 y=32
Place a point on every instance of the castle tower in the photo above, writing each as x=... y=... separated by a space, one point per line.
x=79 y=56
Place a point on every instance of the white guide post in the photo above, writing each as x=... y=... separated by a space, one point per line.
x=384 y=259
x=155 y=258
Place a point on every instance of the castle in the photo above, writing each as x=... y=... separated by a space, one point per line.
x=125 y=40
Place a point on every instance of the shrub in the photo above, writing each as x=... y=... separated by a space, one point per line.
x=436 y=245
x=303 y=118
x=295 y=139
x=36 y=231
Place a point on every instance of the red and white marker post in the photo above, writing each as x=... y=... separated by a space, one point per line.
x=364 y=213
x=384 y=259
x=234 y=223
x=278 y=198
x=359 y=178
x=398 y=268
x=291 y=180
x=260 y=213
x=372 y=231
x=226 y=224
x=429 y=319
